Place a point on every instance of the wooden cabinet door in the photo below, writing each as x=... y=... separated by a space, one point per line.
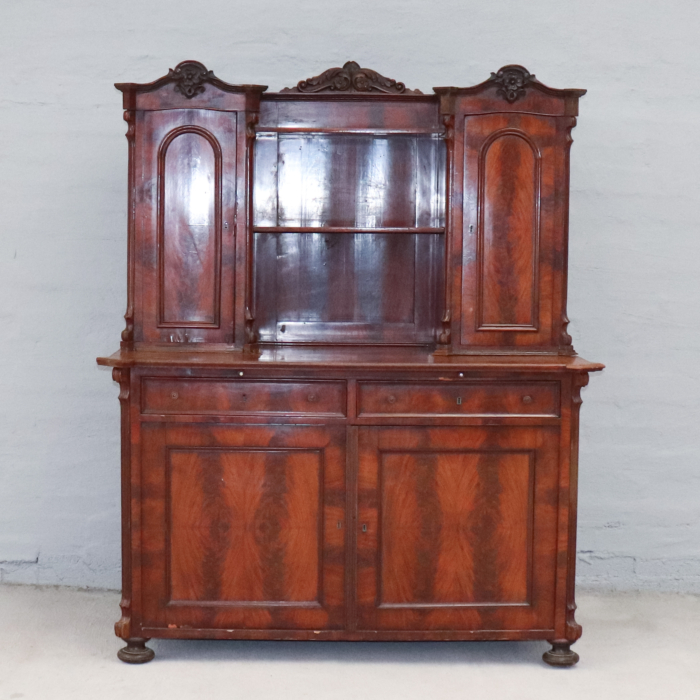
x=513 y=230
x=242 y=527
x=185 y=209
x=457 y=528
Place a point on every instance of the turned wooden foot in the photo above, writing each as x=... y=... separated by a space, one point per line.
x=560 y=654
x=136 y=651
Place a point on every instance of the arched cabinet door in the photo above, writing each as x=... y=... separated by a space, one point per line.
x=513 y=230
x=185 y=214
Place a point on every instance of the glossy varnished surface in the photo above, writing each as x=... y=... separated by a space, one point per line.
x=297 y=358
x=240 y=527
x=456 y=532
x=486 y=398
x=241 y=397
x=337 y=253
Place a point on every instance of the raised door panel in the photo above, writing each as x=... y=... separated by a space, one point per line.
x=243 y=527
x=513 y=230
x=185 y=199
x=189 y=235
x=457 y=528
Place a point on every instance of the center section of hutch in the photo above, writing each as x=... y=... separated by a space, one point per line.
x=349 y=399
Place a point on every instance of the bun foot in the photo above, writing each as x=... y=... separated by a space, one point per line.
x=560 y=655
x=136 y=651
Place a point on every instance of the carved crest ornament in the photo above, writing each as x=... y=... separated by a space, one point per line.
x=352 y=78
x=189 y=77
x=512 y=81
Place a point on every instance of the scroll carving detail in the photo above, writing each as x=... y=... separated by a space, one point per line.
x=189 y=77
x=351 y=78
x=512 y=81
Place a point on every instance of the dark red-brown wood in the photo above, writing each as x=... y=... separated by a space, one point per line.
x=349 y=399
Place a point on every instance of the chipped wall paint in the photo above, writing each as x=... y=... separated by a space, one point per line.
x=635 y=241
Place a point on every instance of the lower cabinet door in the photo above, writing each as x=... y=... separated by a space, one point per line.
x=241 y=527
x=457 y=528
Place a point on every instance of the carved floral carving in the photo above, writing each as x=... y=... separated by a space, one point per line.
x=512 y=81
x=351 y=78
x=189 y=77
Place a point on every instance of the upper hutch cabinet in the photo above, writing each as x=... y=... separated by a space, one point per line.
x=349 y=400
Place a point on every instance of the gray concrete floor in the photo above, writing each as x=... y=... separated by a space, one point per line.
x=57 y=643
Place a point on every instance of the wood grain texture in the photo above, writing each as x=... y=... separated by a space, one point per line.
x=189 y=230
x=245 y=526
x=242 y=525
x=508 y=244
x=241 y=397
x=459 y=533
x=459 y=399
x=185 y=209
x=510 y=239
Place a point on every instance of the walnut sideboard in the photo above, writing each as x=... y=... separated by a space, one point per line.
x=350 y=404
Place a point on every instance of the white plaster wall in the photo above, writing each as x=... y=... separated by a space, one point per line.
x=635 y=241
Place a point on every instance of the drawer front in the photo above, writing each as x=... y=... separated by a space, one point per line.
x=234 y=397
x=460 y=399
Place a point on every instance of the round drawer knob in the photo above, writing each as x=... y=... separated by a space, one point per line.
x=527 y=399
x=391 y=399
x=174 y=395
x=312 y=398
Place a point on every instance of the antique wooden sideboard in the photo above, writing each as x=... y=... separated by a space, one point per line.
x=350 y=404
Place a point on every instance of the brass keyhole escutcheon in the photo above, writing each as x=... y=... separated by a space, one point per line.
x=527 y=399
x=459 y=400
x=364 y=527
x=174 y=395
x=391 y=399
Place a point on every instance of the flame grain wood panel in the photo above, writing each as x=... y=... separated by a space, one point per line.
x=458 y=532
x=349 y=399
x=243 y=525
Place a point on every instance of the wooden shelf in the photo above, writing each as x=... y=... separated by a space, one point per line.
x=347 y=229
x=439 y=132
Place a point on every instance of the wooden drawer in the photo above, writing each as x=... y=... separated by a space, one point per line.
x=459 y=399
x=241 y=397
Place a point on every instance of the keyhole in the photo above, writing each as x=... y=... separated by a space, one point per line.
x=340 y=525
x=459 y=400
x=364 y=527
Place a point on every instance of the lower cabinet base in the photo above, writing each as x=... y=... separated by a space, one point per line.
x=561 y=655
x=455 y=522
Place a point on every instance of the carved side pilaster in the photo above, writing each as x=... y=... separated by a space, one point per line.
x=444 y=335
x=123 y=627
x=251 y=336
x=565 y=342
x=128 y=332
x=573 y=629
